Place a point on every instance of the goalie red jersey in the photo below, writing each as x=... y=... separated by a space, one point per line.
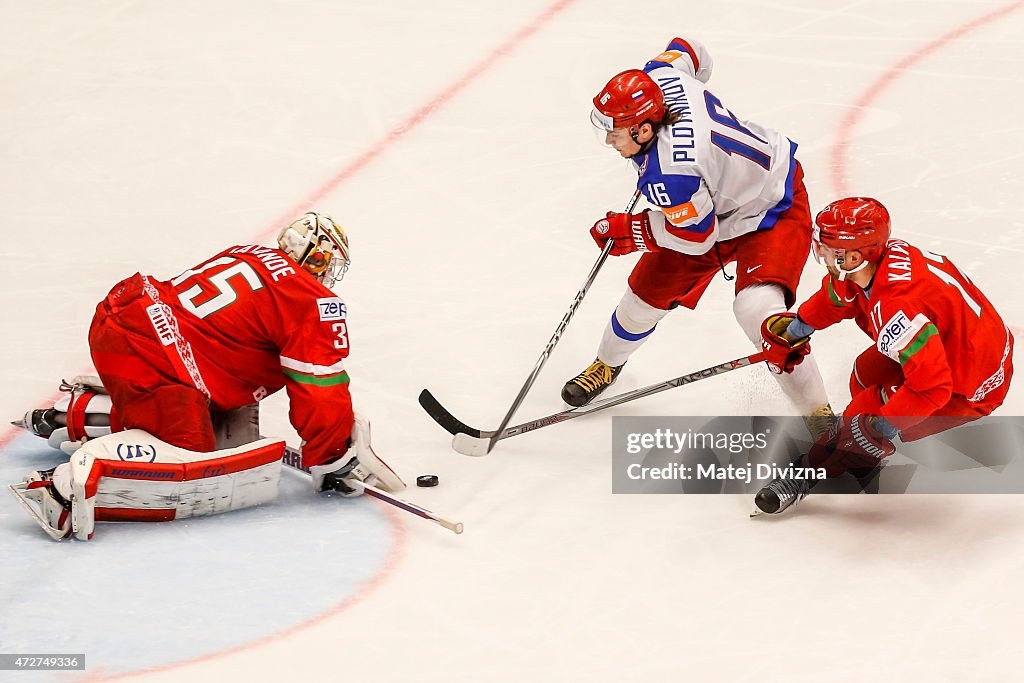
x=224 y=334
x=951 y=346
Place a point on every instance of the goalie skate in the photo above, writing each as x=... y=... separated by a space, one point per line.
x=48 y=507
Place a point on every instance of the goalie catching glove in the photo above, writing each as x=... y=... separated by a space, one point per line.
x=360 y=465
x=782 y=352
x=629 y=231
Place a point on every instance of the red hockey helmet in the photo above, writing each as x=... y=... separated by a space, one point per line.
x=627 y=100
x=853 y=223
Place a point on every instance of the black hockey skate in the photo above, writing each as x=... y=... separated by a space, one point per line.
x=42 y=421
x=779 y=496
x=586 y=386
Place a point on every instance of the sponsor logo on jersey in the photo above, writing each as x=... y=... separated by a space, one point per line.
x=331 y=308
x=136 y=452
x=680 y=213
x=895 y=334
x=668 y=56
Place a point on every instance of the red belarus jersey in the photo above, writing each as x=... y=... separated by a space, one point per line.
x=923 y=313
x=256 y=322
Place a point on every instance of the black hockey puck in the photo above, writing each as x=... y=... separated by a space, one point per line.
x=426 y=480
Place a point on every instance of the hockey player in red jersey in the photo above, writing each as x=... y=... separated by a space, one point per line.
x=942 y=355
x=227 y=333
x=723 y=190
x=186 y=360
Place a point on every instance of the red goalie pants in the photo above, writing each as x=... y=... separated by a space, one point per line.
x=666 y=279
x=875 y=377
x=145 y=386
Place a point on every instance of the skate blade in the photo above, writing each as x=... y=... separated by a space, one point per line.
x=19 y=423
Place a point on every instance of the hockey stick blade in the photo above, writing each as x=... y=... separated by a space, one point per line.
x=467 y=444
x=442 y=417
x=479 y=444
x=293 y=459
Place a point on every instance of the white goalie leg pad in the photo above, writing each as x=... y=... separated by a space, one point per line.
x=804 y=386
x=83 y=413
x=632 y=323
x=132 y=476
x=86 y=415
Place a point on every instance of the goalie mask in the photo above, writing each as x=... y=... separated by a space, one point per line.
x=319 y=245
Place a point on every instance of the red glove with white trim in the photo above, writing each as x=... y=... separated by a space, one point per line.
x=630 y=232
x=781 y=353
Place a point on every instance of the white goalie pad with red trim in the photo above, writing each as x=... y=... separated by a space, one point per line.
x=132 y=476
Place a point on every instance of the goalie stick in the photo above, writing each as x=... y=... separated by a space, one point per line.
x=293 y=459
x=559 y=331
x=476 y=442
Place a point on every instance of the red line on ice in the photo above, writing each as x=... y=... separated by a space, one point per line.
x=891 y=75
x=399 y=131
x=331 y=184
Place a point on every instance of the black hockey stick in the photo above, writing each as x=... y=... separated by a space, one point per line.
x=470 y=441
x=562 y=325
x=293 y=458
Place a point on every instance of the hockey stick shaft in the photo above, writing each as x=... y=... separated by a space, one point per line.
x=293 y=458
x=470 y=437
x=560 y=330
x=628 y=396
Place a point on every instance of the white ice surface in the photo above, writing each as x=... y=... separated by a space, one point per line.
x=146 y=136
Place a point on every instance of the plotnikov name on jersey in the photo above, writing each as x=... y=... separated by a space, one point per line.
x=714 y=471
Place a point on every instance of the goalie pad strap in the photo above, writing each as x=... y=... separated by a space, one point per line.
x=76 y=414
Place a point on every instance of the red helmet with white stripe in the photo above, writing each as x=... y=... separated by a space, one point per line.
x=627 y=100
x=852 y=224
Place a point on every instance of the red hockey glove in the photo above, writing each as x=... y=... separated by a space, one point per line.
x=853 y=443
x=630 y=232
x=781 y=354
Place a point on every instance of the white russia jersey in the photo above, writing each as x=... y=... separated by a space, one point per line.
x=715 y=176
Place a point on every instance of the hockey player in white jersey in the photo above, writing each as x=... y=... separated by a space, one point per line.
x=726 y=190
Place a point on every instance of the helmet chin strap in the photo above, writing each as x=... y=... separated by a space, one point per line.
x=634 y=133
x=844 y=273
